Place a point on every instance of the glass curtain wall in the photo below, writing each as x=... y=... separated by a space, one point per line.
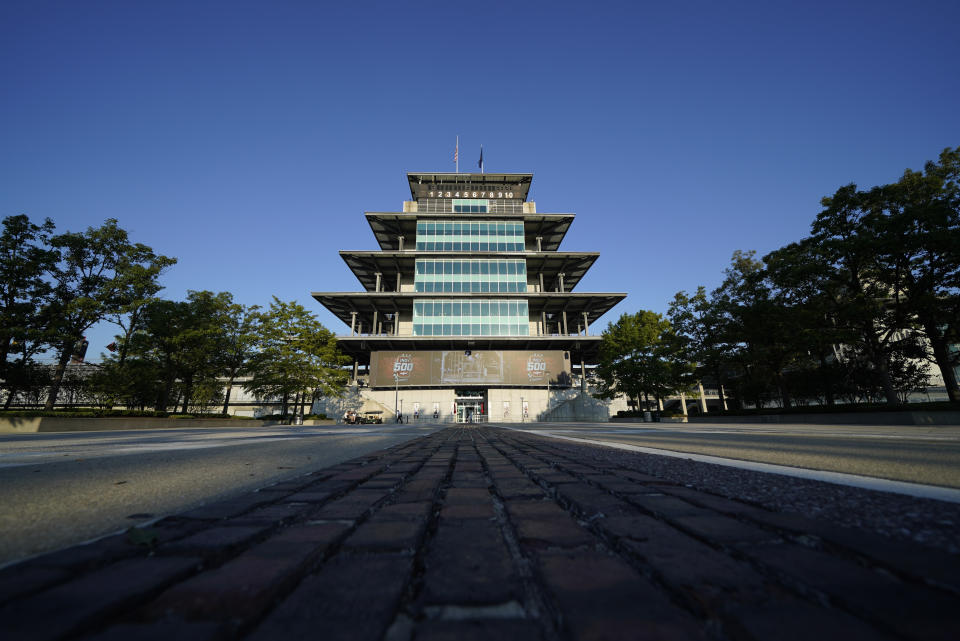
x=471 y=317
x=469 y=235
x=476 y=275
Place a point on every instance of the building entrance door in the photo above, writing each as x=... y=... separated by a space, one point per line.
x=469 y=412
x=471 y=406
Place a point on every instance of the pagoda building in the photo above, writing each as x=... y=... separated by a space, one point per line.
x=469 y=311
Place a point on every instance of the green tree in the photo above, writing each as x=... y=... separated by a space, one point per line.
x=698 y=325
x=640 y=356
x=92 y=271
x=297 y=357
x=240 y=340
x=917 y=223
x=760 y=330
x=186 y=340
x=871 y=307
x=138 y=286
x=805 y=284
x=25 y=260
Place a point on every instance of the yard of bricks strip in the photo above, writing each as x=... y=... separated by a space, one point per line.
x=484 y=533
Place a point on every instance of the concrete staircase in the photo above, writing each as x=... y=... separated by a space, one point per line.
x=356 y=399
x=580 y=407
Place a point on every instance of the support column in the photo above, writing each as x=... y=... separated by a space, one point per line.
x=353 y=322
x=541 y=281
x=355 y=365
x=583 y=376
x=703 y=400
x=586 y=324
x=398 y=281
x=399 y=243
x=561 y=275
x=376 y=287
x=565 y=332
x=373 y=326
x=539 y=243
x=543 y=324
x=724 y=395
x=683 y=403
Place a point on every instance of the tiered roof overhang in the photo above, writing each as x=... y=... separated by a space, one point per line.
x=365 y=265
x=421 y=183
x=364 y=304
x=586 y=348
x=388 y=226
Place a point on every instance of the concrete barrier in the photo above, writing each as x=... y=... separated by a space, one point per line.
x=918 y=417
x=34 y=424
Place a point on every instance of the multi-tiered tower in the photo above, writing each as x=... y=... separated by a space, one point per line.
x=469 y=312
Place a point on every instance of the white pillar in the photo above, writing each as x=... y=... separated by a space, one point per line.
x=703 y=400
x=683 y=403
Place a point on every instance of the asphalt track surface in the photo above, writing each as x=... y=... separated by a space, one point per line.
x=928 y=455
x=64 y=488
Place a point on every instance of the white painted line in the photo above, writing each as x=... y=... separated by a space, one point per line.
x=853 y=480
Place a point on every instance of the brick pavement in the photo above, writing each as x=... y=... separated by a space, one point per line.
x=483 y=533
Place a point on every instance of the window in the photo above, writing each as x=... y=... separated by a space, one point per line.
x=470 y=275
x=469 y=236
x=470 y=318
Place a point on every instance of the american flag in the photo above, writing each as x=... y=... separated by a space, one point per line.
x=456 y=152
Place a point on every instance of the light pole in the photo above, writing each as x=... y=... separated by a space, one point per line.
x=396 y=397
x=548 y=388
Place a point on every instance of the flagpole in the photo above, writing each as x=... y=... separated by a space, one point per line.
x=456 y=155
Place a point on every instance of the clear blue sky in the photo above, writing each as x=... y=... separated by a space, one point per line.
x=248 y=138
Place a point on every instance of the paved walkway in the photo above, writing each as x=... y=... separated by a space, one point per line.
x=484 y=533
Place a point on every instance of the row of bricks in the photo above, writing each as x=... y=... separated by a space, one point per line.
x=744 y=566
x=414 y=538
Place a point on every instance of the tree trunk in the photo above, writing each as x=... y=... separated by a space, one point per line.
x=11 y=392
x=785 y=398
x=5 y=349
x=226 y=396
x=283 y=404
x=164 y=399
x=827 y=381
x=58 y=374
x=941 y=355
x=720 y=395
x=187 y=392
x=887 y=383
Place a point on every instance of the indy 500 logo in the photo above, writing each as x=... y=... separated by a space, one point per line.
x=403 y=366
x=536 y=368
